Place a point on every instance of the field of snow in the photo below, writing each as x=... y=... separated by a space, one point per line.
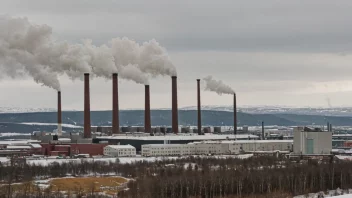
x=122 y=160
x=50 y=124
x=338 y=193
x=13 y=134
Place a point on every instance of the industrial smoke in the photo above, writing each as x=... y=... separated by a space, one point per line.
x=149 y=57
x=217 y=86
x=30 y=49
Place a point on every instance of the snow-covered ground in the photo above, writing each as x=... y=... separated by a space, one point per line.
x=50 y=124
x=24 y=110
x=338 y=193
x=122 y=160
x=13 y=134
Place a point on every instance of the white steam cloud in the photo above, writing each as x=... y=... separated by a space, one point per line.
x=217 y=86
x=149 y=57
x=132 y=72
x=27 y=48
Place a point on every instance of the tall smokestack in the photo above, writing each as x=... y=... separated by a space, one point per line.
x=234 y=114
x=147 y=120
x=199 y=108
x=115 y=105
x=87 y=130
x=59 y=114
x=174 y=105
x=263 y=136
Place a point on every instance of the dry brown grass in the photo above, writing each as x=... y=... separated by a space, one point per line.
x=79 y=185
x=85 y=185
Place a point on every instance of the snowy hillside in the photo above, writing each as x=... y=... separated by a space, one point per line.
x=24 y=110
x=336 y=111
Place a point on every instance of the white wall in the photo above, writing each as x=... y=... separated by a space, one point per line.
x=120 y=151
x=216 y=148
x=322 y=142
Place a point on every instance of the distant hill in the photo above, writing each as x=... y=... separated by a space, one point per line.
x=13 y=122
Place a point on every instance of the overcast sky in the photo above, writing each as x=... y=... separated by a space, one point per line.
x=272 y=52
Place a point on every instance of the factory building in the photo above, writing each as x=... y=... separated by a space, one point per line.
x=308 y=141
x=19 y=148
x=70 y=149
x=167 y=149
x=216 y=147
x=138 y=140
x=120 y=151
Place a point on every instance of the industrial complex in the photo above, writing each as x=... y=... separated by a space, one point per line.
x=175 y=140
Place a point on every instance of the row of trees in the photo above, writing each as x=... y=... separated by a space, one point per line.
x=195 y=177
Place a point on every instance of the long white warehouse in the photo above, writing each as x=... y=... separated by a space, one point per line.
x=216 y=147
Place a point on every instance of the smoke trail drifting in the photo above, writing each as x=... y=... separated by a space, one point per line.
x=217 y=86
x=101 y=60
x=126 y=53
x=29 y=48
x=132 y=72
x=155 y=60
x=19 y=43
x=150 y=57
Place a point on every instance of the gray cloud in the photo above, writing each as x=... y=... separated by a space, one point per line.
x=281 y=50
x=318 y=25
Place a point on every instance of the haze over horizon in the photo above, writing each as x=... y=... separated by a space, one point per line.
x=271 y=53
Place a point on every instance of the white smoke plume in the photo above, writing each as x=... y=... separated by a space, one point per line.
x=126 y=53
x=132 y=72
x=149 y=57
x=217 y=86
x=31 y=48
x=101 y=59
x=328 y=101
x=27 y=48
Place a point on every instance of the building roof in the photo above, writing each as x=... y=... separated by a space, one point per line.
x=246 y=141
x=4 y=142
x=64 y=139
x=180 y=137
x=120 y=146
x=18 y=147
x=36 y=145
x=342 y=135
x=343 y=157
x=274 y=151
x=165 y=145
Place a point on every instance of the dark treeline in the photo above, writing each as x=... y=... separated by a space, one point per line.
x=263 y=176
x=194 y=177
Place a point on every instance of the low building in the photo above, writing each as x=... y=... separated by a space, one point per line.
x=120 y=151
x=216 y=147
x=308 y=141
x=20 y=149
x=210 y=147
x=137 y=140
x=70 y=149
x=167 y=149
